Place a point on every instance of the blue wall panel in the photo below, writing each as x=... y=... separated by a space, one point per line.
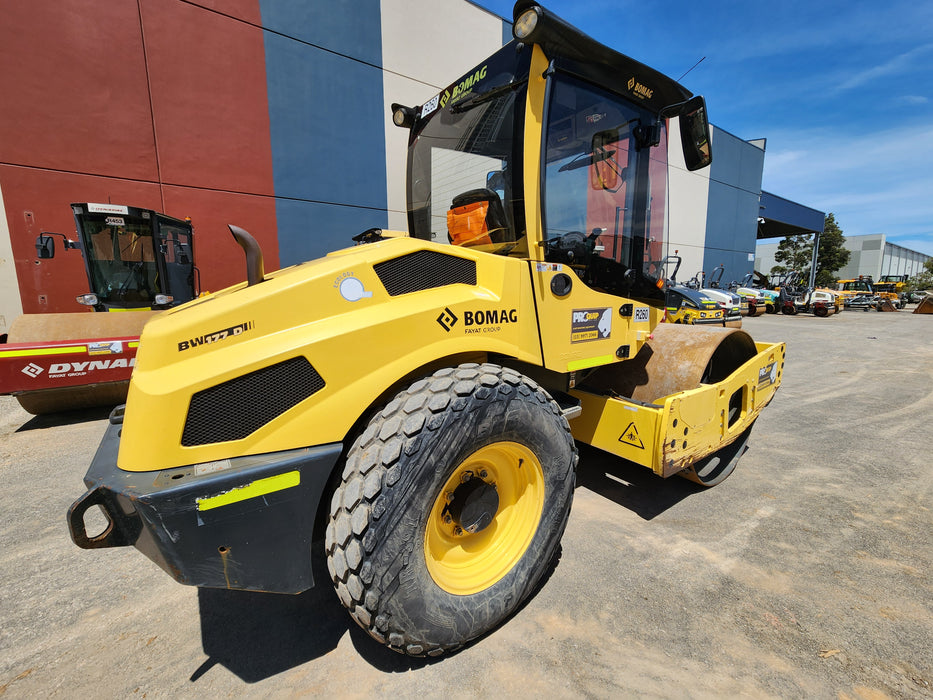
x=732 y=211
x=327 y=124
x=348 y=27
x=506 y=33
x=315 y=229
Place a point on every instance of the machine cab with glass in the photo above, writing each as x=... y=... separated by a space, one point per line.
x=134 y=258
x=556 y=151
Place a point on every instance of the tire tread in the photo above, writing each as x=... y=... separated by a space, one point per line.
x=372 y=467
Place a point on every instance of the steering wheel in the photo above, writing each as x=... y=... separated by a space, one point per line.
x=573 y=247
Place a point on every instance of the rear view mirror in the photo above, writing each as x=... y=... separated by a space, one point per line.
x=604 y=174
x=45 y=246
x=694 y=133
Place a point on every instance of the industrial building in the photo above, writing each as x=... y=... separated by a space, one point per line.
x=872 y=254
x=273 y=115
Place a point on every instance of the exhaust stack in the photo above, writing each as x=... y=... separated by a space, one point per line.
x=254 y=269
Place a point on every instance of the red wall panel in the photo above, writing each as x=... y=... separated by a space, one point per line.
x=247 y=10
x=38 y=200
x=77 y=79
x=208 y=79
x=74 y=88
x=220 y=260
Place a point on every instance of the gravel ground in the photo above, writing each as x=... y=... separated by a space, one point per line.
x=806 y=574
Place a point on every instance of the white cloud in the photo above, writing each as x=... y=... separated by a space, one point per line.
x=875 y=182
x=899 y=64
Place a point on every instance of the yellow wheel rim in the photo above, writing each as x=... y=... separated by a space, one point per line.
x=463 y=563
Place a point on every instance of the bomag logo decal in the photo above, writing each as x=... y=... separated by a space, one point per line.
x=445 y=98
x=479 y=320
x=488 y=321
x=215 y=336
x=448 y=319
x=463 y=88
x=639 y=90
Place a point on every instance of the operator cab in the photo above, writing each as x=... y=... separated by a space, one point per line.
x=602 y=145
x=134 y=258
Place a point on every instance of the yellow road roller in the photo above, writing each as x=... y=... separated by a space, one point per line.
x=417 y=398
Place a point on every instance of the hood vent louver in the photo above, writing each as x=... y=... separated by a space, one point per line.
x=424 y=269
x=236 y=408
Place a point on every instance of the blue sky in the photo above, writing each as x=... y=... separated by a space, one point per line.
x=842 y=91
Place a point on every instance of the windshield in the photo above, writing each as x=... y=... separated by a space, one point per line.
x=605 y=190
x=120 y=258
x=464 y=164
x=855 y=286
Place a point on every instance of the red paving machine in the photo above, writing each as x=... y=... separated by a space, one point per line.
x=137 y=261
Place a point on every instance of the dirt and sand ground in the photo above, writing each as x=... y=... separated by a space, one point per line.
x=808 y=573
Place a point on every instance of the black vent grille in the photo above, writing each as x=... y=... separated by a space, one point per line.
x=234 y=409
x=425 y=269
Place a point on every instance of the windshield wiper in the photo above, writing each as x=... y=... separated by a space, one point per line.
x=584 y=160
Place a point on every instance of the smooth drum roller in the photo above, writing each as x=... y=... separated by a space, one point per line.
x=680 y=358
x=83 y=329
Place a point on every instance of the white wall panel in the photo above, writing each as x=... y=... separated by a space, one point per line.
x=689 y=197
x=10 y=304
x=426 y=45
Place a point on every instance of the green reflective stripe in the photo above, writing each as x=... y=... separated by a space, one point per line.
x=43 y=351
x=590 y=362
x=257 y=488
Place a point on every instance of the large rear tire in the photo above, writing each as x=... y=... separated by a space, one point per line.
x=451 y=508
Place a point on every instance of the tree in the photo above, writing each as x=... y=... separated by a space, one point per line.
x=795 y=252
x=833 y=254
x=922 y=280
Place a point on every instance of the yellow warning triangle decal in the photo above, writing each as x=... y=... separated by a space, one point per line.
x=630 y=437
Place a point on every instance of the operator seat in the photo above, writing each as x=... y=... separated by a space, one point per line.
x=477 y=217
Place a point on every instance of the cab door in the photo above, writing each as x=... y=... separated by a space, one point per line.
x=601 y=190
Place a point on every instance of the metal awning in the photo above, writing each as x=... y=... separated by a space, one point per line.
x=779 y=217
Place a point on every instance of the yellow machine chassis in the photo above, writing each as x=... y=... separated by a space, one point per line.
x=686 y=426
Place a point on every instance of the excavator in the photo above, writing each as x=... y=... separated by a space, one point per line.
x=136 y=260
x=417 y=399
